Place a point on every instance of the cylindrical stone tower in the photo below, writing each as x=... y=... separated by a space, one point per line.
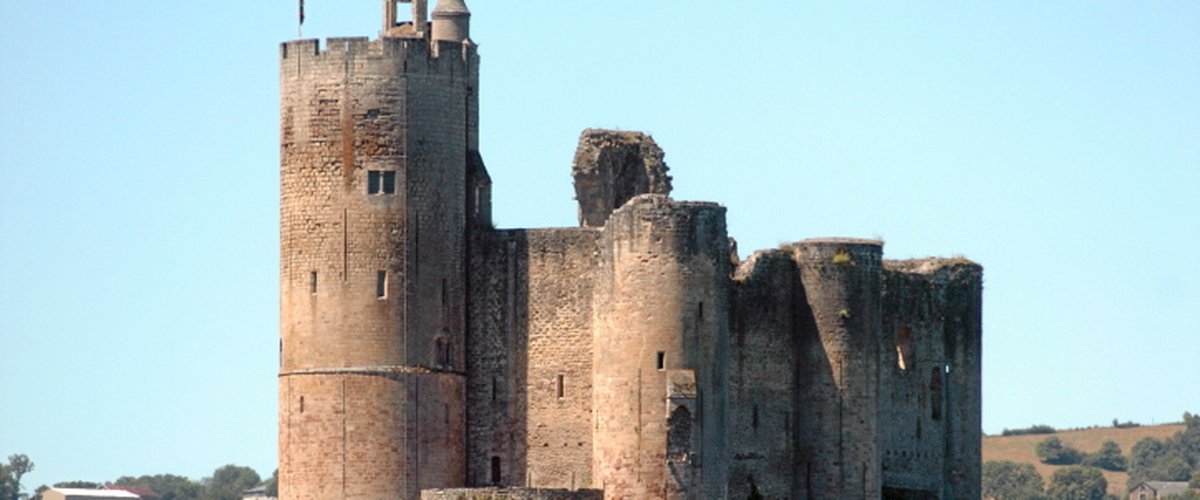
x=962 y=284
x=375 y=139
x=660 y=344
x=837 y=368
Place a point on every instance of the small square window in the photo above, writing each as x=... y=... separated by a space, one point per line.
x=381 y=182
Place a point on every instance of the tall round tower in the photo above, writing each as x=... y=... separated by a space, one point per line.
x=375 y=141
x=660 y=342
x=838 y=411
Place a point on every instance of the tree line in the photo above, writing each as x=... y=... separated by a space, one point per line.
x=226 y=483
x=1176 y=458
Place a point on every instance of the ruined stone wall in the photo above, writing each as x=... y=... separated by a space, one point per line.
x=912 y=403
x=929 y=379
x=837 y=358
x=613 y=166
x=762 y=383
x=661 y=338
x=530 y=377
x=374 y=149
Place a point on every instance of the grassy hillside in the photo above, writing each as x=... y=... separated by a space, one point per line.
x=1020 y=449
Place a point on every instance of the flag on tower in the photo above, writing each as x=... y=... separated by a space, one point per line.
x=301 y=11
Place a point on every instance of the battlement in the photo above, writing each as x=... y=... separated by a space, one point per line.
x=414 y=54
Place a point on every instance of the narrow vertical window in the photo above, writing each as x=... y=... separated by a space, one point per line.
x=445 y=300
x=301 y=404
x=700 y=310
x=935 y=393
x=312 y=282
x=495 y=470
x=754 y=418
x=905 y=349
x=494 y=389
x=560 y=390
x=389 y=182
x=374 y=179
x=381 y=285
x=662 y=360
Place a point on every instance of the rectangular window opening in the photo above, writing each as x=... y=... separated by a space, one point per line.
x=403 y=12
x=389 y=182
x=381 y=182
x=374 y=179
x=312 y=282
x=662 y=360
x=561 y=389
x=494 y=389
x=700 y=310
x=381 y=285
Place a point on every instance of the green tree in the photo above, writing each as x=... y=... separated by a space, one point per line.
x=1108 y=458
x=1077 y=483
x=87 y=485
x=1145 y=452
x=1195 y=482
x=1052 y=451
x=10 y=476
x=1005 y=480
x=273 y=484
x=168 y=486
x=228 y=482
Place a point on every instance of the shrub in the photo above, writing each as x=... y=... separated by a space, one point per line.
x=1052 y=451
x=1004 y=480
x=1077 y=483
x=1033 y=429
x=1108 y=458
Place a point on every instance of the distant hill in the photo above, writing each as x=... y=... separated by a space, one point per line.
x=1020 y=449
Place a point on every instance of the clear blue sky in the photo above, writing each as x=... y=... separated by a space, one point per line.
x=1057 y=143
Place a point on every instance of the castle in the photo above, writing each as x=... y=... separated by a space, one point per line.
x=426 y=354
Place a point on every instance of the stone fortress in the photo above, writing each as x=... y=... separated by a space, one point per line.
x=426 y=354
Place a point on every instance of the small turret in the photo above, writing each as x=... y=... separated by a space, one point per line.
x=451 y=21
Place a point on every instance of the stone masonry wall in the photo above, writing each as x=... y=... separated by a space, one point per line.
x=762 y=384
x=661 y=310
x=511 y=494
x=530 y=342
x=911 y=400
x=838 y=457
x=372 y=277
x=929 y=379
x=560 y=273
